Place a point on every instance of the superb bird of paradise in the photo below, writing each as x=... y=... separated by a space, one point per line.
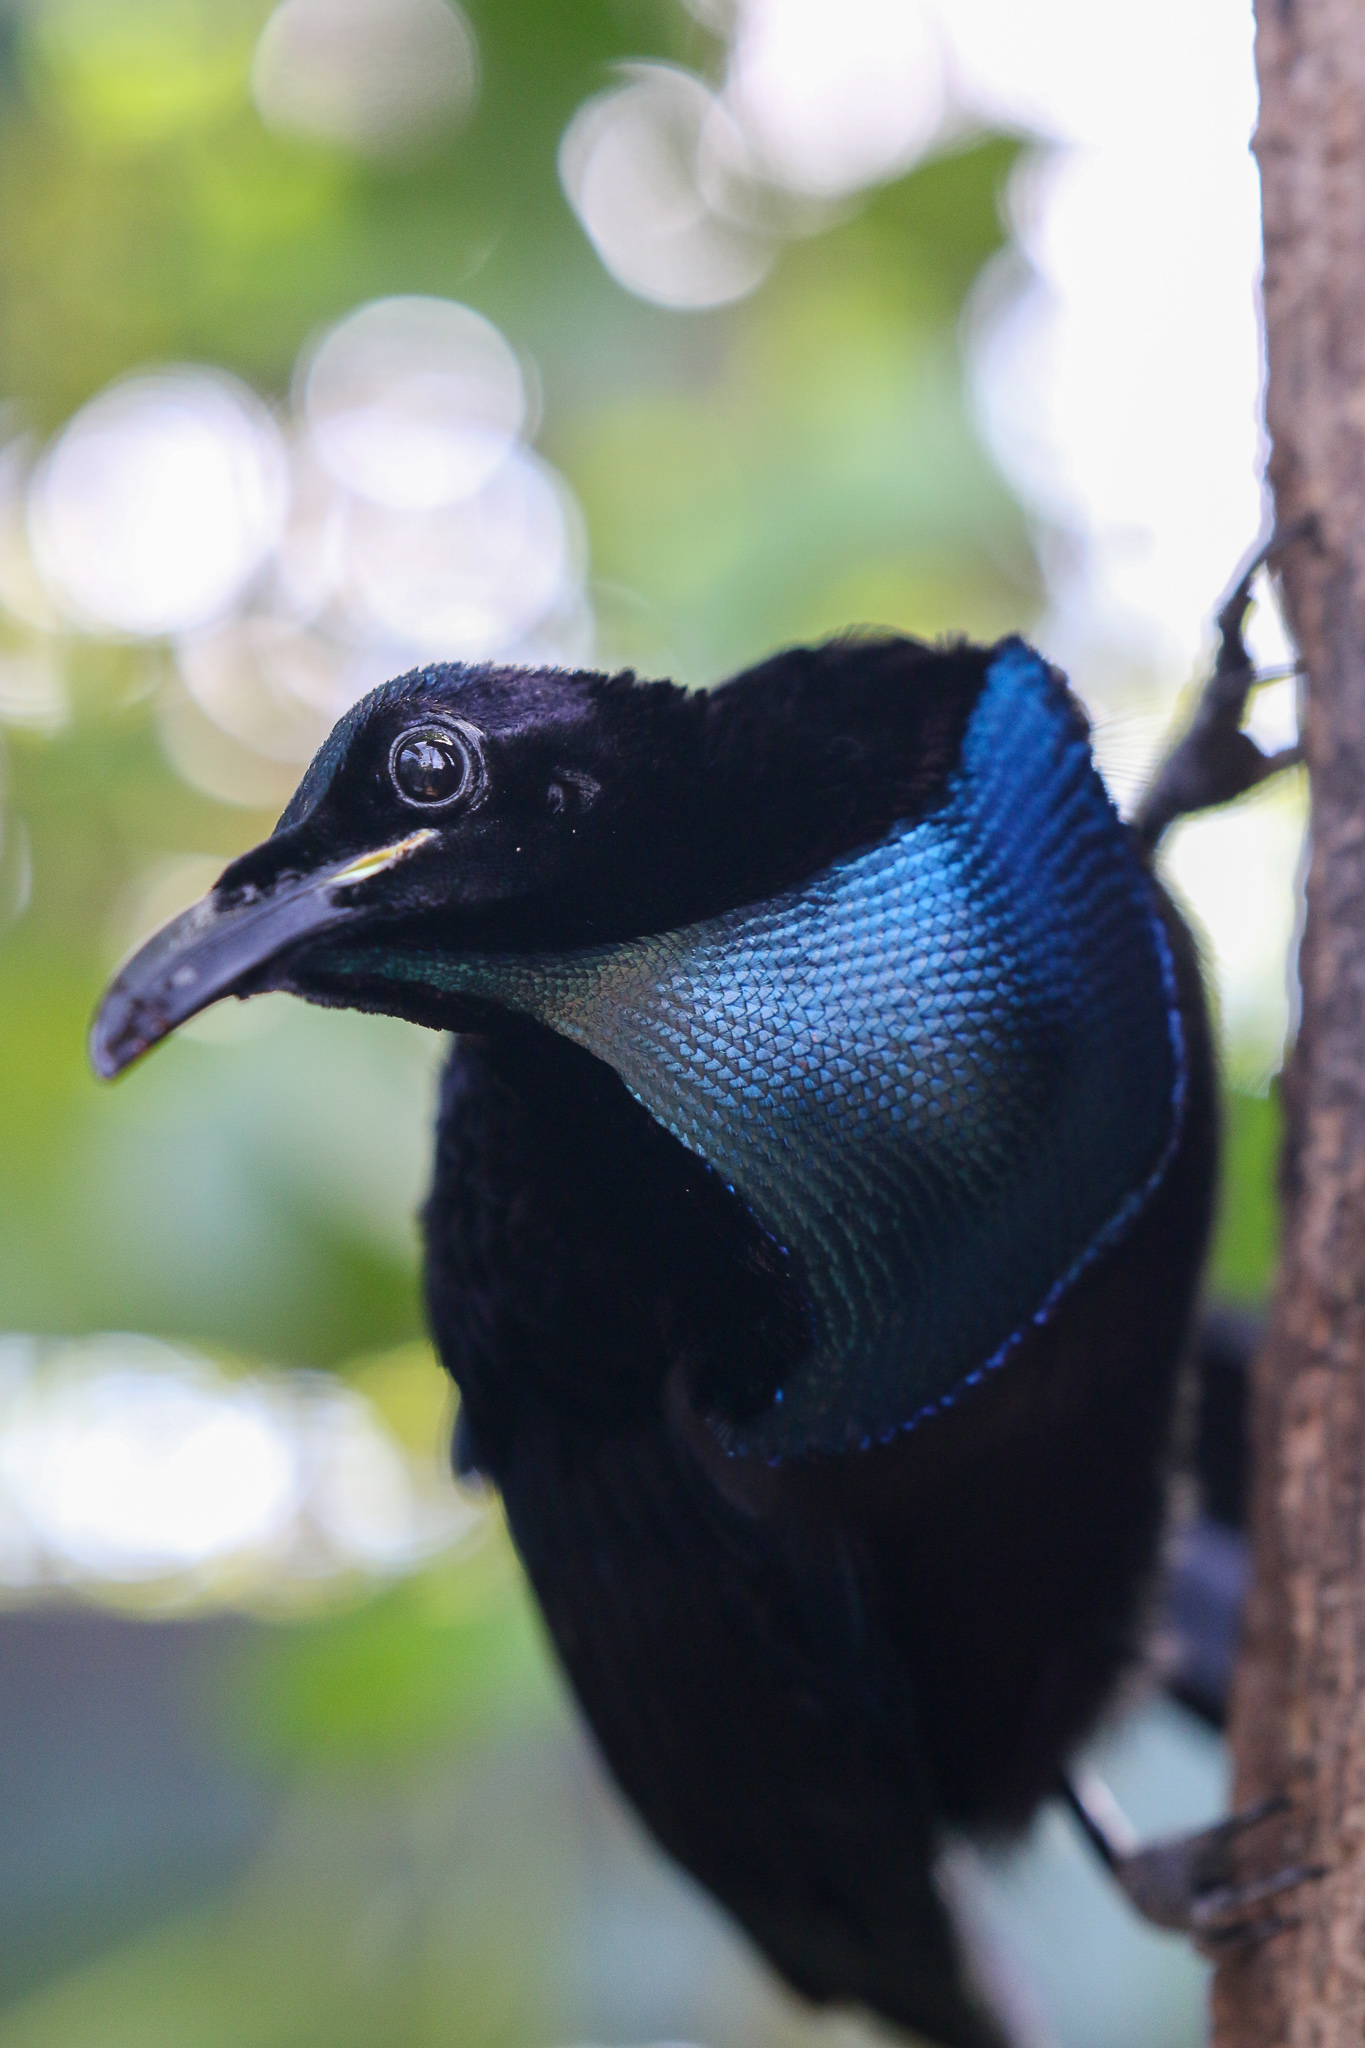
x=823 y=1171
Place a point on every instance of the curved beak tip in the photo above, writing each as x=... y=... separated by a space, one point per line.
x=104 y=1060
x=162 y=985
x=121 y=1032
x=221 y=947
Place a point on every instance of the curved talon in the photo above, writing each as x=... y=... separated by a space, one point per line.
x=1232 y=612
x=1222 y=1914
x=1246 y=1934
x=1188 y=1883
x=1214 y=761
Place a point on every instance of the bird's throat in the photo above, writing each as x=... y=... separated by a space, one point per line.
x=944 y=1074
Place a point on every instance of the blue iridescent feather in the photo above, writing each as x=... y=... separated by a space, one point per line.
x=942 y=1073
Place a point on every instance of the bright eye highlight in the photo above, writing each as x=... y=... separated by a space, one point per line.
x=433 y=765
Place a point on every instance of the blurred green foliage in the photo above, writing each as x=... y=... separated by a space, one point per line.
x=147 y=215
x=758 y=474
x=1247 y=1236
x=453 y=1653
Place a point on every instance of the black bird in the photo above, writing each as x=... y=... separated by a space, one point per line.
x=824 y=1167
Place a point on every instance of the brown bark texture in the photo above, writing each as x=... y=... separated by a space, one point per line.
x=1298 y=1723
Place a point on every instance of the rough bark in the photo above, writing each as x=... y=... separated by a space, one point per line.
x=1299 y=1707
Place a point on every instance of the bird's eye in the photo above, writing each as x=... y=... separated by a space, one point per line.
x=433 y=765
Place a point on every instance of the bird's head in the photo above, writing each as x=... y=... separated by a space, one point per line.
x=861 y=929
x=463 y=811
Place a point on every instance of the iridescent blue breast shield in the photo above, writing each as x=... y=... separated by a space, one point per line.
x=944 y=1074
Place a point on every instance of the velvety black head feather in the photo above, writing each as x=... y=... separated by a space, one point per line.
x=615 y=806
x=597 y=808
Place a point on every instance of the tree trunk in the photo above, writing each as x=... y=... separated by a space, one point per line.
x=1298 y=1723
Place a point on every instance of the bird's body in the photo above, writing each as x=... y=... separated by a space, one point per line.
x=822 y=1180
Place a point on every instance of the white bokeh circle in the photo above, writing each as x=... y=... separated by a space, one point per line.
x=158 y=502
x=374 y=75
x=630 y=165
x=472 y=579
x=835 y=97
x=413 y=402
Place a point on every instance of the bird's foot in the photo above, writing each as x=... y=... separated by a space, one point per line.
x=1214 y=760
x=1193 y=1884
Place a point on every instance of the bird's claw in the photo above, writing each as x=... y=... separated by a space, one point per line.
x=1215 y=761
x=1190 y=1884
x=1229 y=1917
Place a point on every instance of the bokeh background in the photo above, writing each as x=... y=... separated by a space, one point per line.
x=359 y=333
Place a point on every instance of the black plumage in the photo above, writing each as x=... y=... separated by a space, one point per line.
x=803 y=1664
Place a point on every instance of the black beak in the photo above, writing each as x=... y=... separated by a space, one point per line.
x=225 y=946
